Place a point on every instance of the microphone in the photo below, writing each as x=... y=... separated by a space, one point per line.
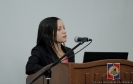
x=79 y=39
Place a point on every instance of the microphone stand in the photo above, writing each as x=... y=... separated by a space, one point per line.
x=47 y=71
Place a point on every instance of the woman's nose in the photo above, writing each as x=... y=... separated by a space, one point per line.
x=64 y=31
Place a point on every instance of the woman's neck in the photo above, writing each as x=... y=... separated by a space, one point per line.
x=58 y=47
x=59 y=51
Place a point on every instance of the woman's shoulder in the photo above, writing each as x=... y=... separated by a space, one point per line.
x=66 y=48
x=39 y=48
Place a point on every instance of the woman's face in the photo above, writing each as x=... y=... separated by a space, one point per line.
x=61 y=32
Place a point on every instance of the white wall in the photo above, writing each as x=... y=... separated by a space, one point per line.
x=107 y=22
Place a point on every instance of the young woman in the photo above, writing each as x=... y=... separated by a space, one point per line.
x=49 y=48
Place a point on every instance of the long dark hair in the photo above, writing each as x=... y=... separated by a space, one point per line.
x=47 y=33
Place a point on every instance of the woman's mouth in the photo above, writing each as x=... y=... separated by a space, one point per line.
x=65 y=36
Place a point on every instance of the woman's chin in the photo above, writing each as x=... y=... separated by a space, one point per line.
x=65 y=40
x=62 y=41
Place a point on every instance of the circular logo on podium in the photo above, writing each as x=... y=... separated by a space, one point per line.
x=113 y=71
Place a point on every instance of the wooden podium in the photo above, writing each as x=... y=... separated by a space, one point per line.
x=87 y=73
